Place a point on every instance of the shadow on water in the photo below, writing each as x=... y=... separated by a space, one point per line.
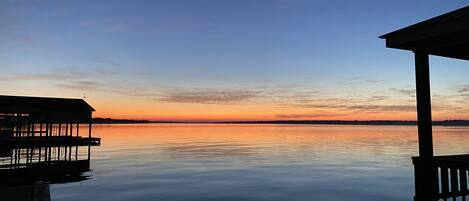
x=26 y=173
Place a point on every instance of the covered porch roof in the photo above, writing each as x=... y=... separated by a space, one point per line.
x=445 y=35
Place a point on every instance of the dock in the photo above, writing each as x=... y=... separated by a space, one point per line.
x=52 y=141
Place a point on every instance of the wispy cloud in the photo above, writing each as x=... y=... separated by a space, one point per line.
x=405 y=92
x=206 y=96
x=382 y=108
x=361 y=107
x=357 y=81
x=464 y=89
x=67 y=73
x=153 y=93
x=374 y=81
x=379 y=97
x=81 y=85
x=300 y=116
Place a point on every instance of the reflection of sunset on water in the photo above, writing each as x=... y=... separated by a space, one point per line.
x=236 y=139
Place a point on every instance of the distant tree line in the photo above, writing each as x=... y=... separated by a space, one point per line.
x=319 y=122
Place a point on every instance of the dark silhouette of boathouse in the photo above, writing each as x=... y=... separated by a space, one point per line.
x=39 y=121
x=436 y=177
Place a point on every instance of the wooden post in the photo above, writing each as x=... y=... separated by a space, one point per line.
x=424 y=109
x=60 y=129
x=20 y=125
x=39 y=155
x=70 y=153
x=28 y=132
x=50 y=156
x=89 y=152
x=426 y=174
x=89 y=131
x=51 y=129
x=47 y=125
x=66 y=152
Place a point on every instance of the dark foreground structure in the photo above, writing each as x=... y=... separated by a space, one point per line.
x=43 y=141
x=436 y=177
x=37 y=121
x=26 y=173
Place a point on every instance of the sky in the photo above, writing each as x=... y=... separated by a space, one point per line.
x=218 y=60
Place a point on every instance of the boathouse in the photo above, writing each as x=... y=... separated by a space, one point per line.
x=41 y=121
x=436 y=177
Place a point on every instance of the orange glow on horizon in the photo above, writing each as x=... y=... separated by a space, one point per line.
x=196 y=112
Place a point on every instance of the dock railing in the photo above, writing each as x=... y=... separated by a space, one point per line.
x=442 y=178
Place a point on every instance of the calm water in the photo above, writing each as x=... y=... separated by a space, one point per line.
x=254 y=162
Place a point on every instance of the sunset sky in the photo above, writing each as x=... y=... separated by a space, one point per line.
x=226 y=60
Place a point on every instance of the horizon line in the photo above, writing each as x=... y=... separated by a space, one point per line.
x=270 y=121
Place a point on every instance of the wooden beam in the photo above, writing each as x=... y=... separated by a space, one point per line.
x=426 y=174
x=60 y=129
x=89 y=152
x=89 y=131
x=90 y=125
x=424 y=110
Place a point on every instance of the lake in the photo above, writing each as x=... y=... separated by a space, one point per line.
x=175 y=162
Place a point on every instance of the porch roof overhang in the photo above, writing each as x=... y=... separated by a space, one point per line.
x=446 y=35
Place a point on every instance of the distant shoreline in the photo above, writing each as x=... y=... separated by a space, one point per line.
x=304 y=122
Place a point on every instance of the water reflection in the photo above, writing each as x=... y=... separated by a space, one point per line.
x=209 y=150
x=176 y=162
x=26 y=173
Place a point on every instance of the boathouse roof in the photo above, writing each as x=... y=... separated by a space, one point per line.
x=52 y=110
x=25 y=103
x=445 y=35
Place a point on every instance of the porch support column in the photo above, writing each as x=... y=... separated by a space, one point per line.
x=426 y=174
x=424 y=108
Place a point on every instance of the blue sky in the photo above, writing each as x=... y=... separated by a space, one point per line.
x=187 y=52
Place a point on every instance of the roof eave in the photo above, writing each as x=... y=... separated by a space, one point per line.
x=459 y=17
